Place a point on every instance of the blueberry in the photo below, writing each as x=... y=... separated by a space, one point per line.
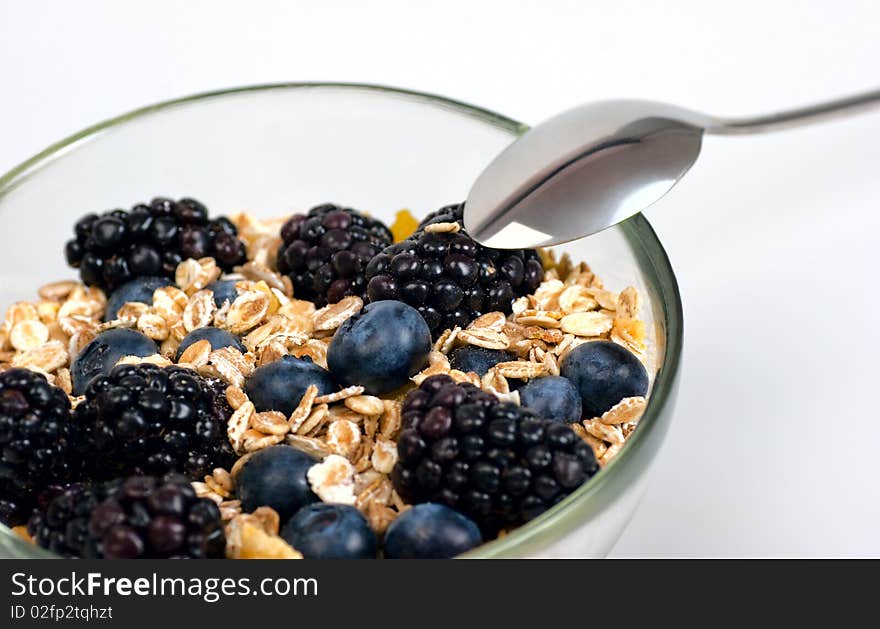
x=215 y=336
x=279 y=386
x=477 y=359
x=604 y=373
x=430 y=531
x=276 y=477
x=224 y=290
x=552 y=397
x=330 y=531
x=380 y=347
x=137 y=290
x=100 y=355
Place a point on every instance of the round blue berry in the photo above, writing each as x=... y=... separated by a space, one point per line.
x=137 y=290
x=217 y=337
x=276 y=477
x=330 y=531
x=99 y=356
x=279 y=386
x=552 y=397
x=604 y=373
x=380 y=347
x=224 y=290
x=430 y=531
x=477 y=359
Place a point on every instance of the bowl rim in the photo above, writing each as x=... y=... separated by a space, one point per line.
x=575 y=508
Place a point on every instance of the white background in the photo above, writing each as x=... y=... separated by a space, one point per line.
x=775 y=450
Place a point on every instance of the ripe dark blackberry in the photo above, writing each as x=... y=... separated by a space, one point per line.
x=447 y=214
x=449 y=278
x=143 y=419
x=153 y=239
x=62 y=525
x=490 y=460
x=139 y=517
x=326 y=251
x=35 y=441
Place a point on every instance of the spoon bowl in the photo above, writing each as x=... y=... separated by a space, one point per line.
x=581 y=172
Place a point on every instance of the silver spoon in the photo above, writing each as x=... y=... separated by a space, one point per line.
x=595 y=165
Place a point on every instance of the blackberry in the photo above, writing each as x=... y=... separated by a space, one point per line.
x=118 y=246
x=61 y=526
x=493 y=461
x=35 y=441
x=326 y=251
x=144 y=419
x=449 y=278
x=447 y=214
x=132 y=518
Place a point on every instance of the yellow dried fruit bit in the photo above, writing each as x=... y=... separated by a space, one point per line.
x=404 y=225
x=632 y=329
x=21 y=531
x=274 y=304
x=249 y=541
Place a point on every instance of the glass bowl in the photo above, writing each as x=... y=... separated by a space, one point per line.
x=276 y=148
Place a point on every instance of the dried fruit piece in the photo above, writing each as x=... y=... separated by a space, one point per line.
x=247 y=538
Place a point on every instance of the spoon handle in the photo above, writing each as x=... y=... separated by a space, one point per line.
x=810 y=114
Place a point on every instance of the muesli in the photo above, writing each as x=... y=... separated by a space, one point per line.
x=318 y=385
